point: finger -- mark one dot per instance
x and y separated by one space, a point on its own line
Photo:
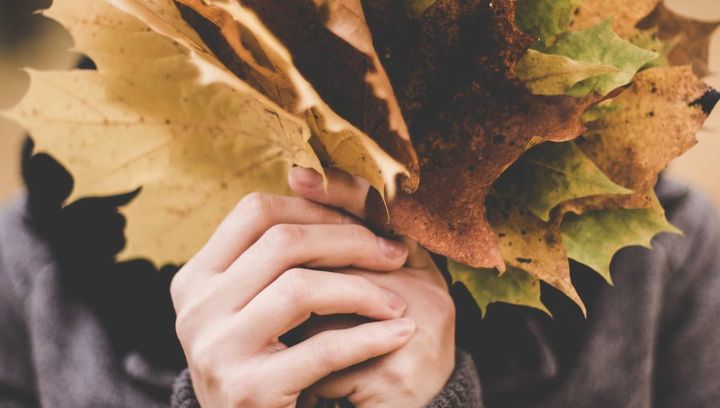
285 246
253 215
343 190
338 385
302 365
316 324
299 293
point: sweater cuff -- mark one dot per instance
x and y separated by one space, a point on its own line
183 395
461 391
463 388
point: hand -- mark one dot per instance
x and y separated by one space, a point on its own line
251 284
414 374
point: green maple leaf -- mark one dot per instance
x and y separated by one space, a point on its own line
600 45
600 110
548 74
552 173
545 19
651 41
594 237
515 286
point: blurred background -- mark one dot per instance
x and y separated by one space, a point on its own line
30 40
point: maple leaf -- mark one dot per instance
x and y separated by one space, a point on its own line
624 16
515 286
551 174
691 37
418 7
342 76
661 111
594 237
204 100
600 45
547 74
598 111
545 19
528 243
144 119
454 79
650 40
248 49
346 19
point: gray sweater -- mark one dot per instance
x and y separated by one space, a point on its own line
72 339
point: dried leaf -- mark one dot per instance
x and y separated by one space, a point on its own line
624 15
339 81
598 111
515 286
600 45
528 243
661 112
551 174
145 120
346 19
418 7
545 19
593 238
650 40
261 61
547 74
469 116
692 38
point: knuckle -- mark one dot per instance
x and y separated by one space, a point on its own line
445 306
439 297
294 286
398 374
359 235
177 288
203 359
344 219
256 205
392 376
366 286
184 323
192 317
325 351
241 392
280 237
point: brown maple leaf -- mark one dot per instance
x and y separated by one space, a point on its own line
662 110
470 118
692 36
624 15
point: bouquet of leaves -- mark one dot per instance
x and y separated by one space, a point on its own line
505 135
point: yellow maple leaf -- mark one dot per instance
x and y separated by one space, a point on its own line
264 63
624 15
145 119
528 243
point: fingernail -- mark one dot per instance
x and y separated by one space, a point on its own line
394 301
307 178
392 249
402 327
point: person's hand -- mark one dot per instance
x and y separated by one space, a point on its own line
415 373
252 283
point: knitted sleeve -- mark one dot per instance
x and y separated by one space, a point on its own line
461 391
